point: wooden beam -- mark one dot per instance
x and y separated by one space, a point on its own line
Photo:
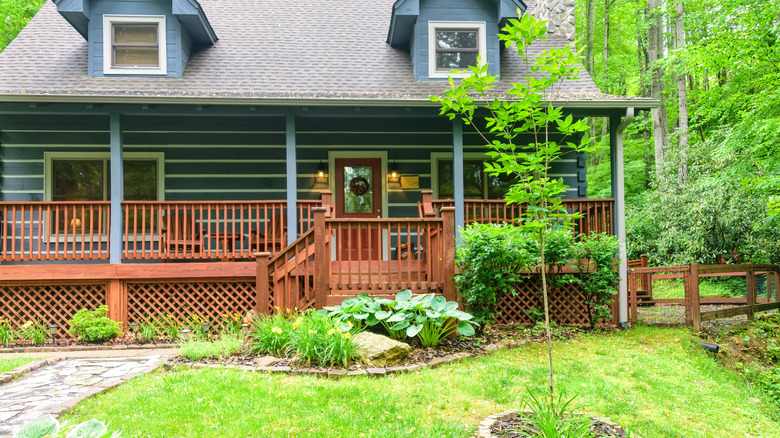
693 285
448 258
262 293
321 258
734 311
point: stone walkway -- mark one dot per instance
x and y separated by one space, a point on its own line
56 388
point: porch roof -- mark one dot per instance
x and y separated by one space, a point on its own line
269 52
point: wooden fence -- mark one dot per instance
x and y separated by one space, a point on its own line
691 274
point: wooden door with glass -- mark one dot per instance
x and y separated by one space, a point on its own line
359 195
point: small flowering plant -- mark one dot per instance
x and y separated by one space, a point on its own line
271 334
312 337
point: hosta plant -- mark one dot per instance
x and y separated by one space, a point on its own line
430 318
49 427
93 325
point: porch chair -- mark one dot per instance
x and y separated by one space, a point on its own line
275 242
183 236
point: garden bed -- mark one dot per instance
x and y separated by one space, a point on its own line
515 424
449 350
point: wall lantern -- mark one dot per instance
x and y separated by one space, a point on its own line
392 174
322 174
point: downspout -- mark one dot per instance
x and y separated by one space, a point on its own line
292 179
619 194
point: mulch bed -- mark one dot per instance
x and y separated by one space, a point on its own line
489 340
515 424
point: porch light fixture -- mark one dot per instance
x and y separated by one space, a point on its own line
53 333
185 334
392 174
322 173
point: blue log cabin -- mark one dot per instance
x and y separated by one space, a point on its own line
295 140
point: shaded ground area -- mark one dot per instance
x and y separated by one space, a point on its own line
675 315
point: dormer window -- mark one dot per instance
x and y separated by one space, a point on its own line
455 46
134 45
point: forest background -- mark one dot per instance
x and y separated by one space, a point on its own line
702 170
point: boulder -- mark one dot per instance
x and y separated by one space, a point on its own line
377 350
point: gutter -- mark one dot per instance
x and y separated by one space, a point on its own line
320 101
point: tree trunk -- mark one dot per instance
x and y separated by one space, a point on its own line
590 6
682 95
660 117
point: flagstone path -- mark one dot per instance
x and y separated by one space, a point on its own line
56 388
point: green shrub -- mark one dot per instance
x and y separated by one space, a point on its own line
490 260
93 326
149 329
225 346
598 276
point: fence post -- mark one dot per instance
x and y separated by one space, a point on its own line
448 257
116 300
632 298
321 258
427 203
693 280
327 198
751 290
776 276
262 292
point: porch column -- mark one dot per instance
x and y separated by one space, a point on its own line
117 190
616 128
457 177
292 181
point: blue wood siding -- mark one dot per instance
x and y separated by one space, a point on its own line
240 157
177 47
453 10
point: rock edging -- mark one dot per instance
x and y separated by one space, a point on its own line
332 373
87 348
483 430
17 372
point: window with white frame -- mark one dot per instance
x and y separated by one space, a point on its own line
477 183
455 45
134 44
76 176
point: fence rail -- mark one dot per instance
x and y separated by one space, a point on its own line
691 274
152 230
596 214
64 230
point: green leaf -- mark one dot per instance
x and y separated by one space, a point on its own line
413 330
88 429
404 295
465 328
438 303
39 428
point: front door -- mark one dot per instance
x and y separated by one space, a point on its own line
359 195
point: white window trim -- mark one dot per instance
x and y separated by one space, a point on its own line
433 25
49 157
109 20
438 156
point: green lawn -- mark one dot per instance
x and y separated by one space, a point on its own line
708 288
656 380
9 364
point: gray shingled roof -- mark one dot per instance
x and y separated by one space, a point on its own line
267 49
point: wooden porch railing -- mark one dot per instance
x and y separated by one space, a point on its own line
391 254
67 230
596 213
208 229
